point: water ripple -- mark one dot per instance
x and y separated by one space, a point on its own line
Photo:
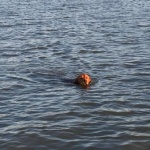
44 45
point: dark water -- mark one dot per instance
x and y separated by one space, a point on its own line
43 42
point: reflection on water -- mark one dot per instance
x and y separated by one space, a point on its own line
46 44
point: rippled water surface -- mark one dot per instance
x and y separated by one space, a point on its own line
46 43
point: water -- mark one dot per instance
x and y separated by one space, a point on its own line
44 42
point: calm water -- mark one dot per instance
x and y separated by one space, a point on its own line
43 42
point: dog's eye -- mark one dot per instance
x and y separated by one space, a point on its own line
84 80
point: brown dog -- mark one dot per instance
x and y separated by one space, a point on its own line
83 79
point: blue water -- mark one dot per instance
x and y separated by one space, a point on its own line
44 44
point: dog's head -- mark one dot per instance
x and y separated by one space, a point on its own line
83 79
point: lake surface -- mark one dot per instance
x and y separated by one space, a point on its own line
44 44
